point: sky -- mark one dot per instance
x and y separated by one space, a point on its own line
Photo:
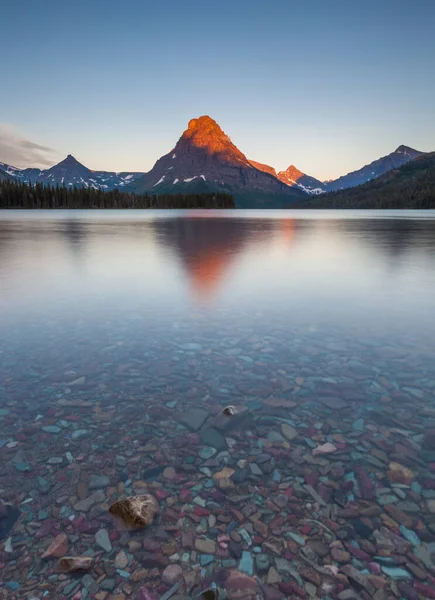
325 85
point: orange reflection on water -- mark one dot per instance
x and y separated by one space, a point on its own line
205 275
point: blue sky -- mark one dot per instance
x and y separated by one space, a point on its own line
327 85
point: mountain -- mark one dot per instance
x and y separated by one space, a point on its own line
293 178
410 186
399 157
205 160
4 175
69 172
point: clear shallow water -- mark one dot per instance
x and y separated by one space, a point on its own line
320 324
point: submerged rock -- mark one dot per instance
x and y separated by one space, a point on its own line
327 448
136 511
238 585
70 564
8 517
58 547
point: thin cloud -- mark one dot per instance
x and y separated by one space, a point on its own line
20 152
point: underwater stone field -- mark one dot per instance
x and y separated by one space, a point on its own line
322 485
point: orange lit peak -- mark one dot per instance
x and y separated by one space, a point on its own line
294 173
206 134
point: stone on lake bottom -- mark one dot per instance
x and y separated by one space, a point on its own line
194 418
205 546
136 511
102 539
327 448
172 574
70 564
238 585
400 474
58 547
97 482
279 403
145 594
288 431
246 564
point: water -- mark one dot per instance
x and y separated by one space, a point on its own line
122 337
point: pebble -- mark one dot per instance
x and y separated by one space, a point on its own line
102 539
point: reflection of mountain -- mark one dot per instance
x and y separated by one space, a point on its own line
207 248
394 239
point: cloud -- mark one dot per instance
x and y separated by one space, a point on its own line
18 151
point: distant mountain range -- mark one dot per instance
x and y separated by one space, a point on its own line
69 172
412 186
205 160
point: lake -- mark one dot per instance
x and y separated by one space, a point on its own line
124 335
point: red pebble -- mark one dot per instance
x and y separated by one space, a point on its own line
424 590
357 552
199 511
185 496
375 568
290 590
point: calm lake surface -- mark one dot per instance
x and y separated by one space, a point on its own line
123 335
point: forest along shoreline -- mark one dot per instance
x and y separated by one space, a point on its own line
15 195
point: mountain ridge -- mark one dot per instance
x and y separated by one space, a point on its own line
205 159
70 172
376 168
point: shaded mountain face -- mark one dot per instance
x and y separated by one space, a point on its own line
410 186
205 160
69 172
399 157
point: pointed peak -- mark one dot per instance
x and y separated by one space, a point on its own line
294 171
402 149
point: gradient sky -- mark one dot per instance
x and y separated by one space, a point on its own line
326 85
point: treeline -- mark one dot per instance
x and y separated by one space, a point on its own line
17 195
411 186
